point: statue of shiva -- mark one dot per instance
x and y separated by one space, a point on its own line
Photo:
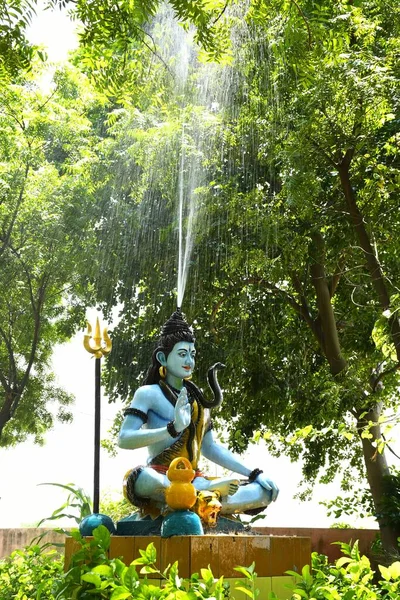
171 417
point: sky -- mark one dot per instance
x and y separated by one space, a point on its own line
67 456
55 31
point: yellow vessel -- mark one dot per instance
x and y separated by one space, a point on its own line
181 494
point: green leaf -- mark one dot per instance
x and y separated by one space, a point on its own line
92 578
146 569
394 569
130 578
245 571
104 570
207 576
300 592
102 537
244 590
120 593
344 560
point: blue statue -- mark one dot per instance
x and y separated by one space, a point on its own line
171 417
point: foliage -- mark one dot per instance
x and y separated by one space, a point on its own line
290 155
351 577
249 585
360 503
115 507
47 212
117 46
93 574
390 507
37 572
340 525
124 48
30 573
16 53
77 506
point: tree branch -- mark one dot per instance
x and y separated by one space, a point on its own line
306 313
221 13
13 367
329 158
382 374
331 344
301 310
35 338
336 276
303 16
373 264
7 235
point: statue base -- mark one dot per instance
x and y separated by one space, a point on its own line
143 526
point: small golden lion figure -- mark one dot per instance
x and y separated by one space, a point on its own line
208 507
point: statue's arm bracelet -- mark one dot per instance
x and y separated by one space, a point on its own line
171 430
135 412
254 474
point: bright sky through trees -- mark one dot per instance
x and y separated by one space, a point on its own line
55 31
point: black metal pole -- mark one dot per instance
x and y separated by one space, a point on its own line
97 406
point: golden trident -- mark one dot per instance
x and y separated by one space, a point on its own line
98 349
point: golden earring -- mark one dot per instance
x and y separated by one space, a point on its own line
163 372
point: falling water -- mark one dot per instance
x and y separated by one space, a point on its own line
169 196
185 232
182 264
167 217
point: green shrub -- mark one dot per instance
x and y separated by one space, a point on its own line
29 574
36 573
351 578
116 509
93 575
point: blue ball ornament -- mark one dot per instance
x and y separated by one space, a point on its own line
181 522
89 524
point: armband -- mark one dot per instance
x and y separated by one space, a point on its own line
135 412
171 430
254 474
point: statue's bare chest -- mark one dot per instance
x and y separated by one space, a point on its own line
160 412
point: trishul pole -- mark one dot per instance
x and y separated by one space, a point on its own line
100 347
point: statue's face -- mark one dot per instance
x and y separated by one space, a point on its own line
180 361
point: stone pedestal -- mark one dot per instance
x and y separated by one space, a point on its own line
136 525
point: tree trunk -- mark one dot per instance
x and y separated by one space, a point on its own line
375 462
374 268
377 469
5 412
330 340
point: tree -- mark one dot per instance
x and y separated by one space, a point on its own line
294 270
328 140
16 53
338 172
112 36
47 215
